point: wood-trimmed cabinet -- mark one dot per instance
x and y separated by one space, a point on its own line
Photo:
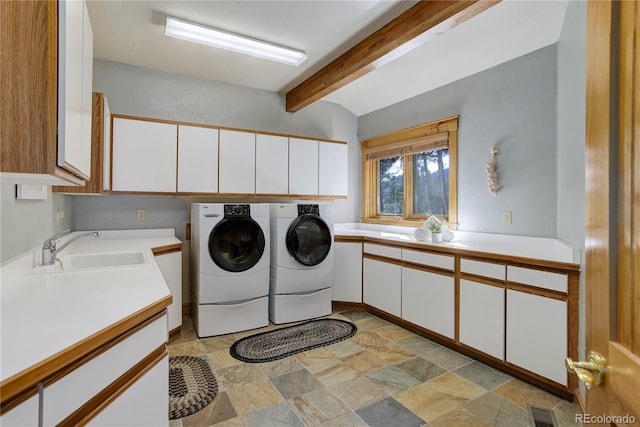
347 271
104 386
516 314
237 162
100 181
49 49
144 155
197 159
303 166
169 261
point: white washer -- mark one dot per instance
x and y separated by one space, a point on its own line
230 252
301 262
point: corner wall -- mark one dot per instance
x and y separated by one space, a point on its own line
512 106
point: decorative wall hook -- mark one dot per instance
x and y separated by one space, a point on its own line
492 174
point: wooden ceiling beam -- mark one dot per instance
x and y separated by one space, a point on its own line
424 21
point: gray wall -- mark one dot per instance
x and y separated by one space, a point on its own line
25 224
571 140
512 106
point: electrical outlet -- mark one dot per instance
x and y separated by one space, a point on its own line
506 217
141 214
59 216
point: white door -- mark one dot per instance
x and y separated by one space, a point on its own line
381 285
428 300
482 317
197 159
237 162
144 155
272 164
333 168
303 166
347 272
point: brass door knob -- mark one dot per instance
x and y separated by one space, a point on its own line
591 372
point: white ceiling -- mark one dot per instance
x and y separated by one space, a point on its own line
132 32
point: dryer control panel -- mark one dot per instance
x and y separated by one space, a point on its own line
308 209
236 210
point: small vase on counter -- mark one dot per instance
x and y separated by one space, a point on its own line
436 237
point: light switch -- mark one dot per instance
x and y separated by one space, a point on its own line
141 214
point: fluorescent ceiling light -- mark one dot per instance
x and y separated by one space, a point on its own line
217 38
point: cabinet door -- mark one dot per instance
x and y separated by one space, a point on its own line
197 159
347 272
272 164
74 143
381 285
482 317
537 334
333 167
428 300
171 267
237 162
144 155
144 403
82 387
303 166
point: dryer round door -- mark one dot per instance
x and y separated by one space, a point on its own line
309 239
236 244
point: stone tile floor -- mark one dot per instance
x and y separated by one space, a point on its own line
383 376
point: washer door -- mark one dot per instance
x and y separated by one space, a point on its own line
309 239
236 244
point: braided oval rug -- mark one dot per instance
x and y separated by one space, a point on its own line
192 385
280 343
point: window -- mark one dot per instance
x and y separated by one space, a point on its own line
411 174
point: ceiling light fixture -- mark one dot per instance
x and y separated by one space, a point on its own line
217 38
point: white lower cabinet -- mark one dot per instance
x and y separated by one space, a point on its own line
347 272
145 403
381 287
76 392
537 334
482 317
23 415
171 268
428 300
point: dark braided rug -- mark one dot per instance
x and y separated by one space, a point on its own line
192 385
280 343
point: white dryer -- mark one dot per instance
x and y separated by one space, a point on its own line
301 262
230 247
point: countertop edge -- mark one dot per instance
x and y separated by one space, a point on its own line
346 238
25 380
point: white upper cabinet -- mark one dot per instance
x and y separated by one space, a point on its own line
272 164
237 162
197 159
106 145
144 156
75 80
303 166
333 166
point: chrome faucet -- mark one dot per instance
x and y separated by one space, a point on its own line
50 246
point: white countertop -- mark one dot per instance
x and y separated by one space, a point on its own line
45 313
541 248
